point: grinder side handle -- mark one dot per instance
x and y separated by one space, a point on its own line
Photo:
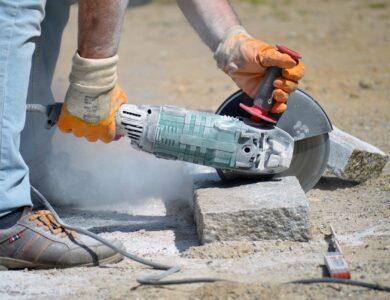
264 98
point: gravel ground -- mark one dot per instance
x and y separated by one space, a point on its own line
162 62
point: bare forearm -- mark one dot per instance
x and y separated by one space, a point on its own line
210 18
100 24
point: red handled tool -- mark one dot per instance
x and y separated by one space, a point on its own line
263 101
335 262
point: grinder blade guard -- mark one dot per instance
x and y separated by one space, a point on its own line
306 122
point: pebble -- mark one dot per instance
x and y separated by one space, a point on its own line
314 199
353 95
366 84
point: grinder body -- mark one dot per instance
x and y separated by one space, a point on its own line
207 139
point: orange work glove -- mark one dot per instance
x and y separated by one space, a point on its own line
92 99
246 60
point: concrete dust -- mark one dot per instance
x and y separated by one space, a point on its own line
232 250
163 62
87 174
357 238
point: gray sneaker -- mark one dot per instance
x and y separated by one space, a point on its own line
38 241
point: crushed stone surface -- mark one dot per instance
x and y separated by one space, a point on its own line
163 62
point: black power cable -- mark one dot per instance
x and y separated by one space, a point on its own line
373 286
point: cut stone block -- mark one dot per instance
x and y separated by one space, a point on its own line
352 159
276 209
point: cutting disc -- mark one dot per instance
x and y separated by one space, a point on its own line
310 154
309 160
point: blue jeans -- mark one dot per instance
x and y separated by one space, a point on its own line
30 37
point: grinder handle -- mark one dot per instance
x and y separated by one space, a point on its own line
263 98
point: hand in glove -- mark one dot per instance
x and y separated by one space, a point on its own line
246 59
92 99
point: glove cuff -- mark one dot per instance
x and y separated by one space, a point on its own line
223 54
91 83
234 30
93 76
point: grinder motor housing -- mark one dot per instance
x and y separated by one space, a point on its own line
207 139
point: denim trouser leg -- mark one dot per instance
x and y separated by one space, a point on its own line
19 26
36 139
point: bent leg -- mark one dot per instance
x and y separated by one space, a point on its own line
20 26
36 139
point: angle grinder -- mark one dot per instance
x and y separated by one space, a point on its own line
241 140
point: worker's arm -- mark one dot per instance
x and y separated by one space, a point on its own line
100 24
93 96
210 19
242 57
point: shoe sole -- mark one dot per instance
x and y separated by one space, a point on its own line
7 263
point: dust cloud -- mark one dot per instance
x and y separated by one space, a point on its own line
76 172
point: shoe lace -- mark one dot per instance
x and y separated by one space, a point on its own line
46 219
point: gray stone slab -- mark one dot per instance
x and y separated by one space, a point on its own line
276 209
353 159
